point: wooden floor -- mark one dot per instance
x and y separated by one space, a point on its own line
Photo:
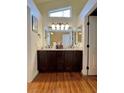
63 83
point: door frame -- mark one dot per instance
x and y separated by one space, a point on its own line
87 10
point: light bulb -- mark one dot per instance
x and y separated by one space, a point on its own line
66 27
62 27
53 27
58 27
51 33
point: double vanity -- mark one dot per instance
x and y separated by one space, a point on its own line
60 60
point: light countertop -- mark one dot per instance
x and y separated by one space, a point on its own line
70 49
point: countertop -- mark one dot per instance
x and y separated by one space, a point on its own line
70 49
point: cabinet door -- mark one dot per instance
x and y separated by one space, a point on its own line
73 61
68 60
60 55
51 57
77 61
42 61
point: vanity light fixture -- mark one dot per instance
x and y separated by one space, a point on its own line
66 26
53 26
57 27
62 26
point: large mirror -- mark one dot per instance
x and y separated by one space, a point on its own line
64 38
68 39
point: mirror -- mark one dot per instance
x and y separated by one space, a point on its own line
64 38
68 39
77 37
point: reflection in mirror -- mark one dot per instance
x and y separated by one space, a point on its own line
77 37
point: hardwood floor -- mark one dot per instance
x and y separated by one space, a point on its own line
63 83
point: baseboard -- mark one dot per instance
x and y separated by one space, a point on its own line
36 73
32 78
85 74
92 75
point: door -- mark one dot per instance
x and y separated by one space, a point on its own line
92 45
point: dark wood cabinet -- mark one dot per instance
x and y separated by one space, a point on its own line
42 61
51 61
59 61
68 60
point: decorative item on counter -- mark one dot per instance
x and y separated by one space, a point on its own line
54 45
59 45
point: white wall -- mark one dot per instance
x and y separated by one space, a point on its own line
83 18
34 42
28 43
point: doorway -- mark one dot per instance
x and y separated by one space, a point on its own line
92 43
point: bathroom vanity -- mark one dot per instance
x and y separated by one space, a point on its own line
60 60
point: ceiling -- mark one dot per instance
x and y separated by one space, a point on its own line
46 5
44 1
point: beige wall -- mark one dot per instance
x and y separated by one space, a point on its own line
34 42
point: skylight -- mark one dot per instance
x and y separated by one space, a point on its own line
62 12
